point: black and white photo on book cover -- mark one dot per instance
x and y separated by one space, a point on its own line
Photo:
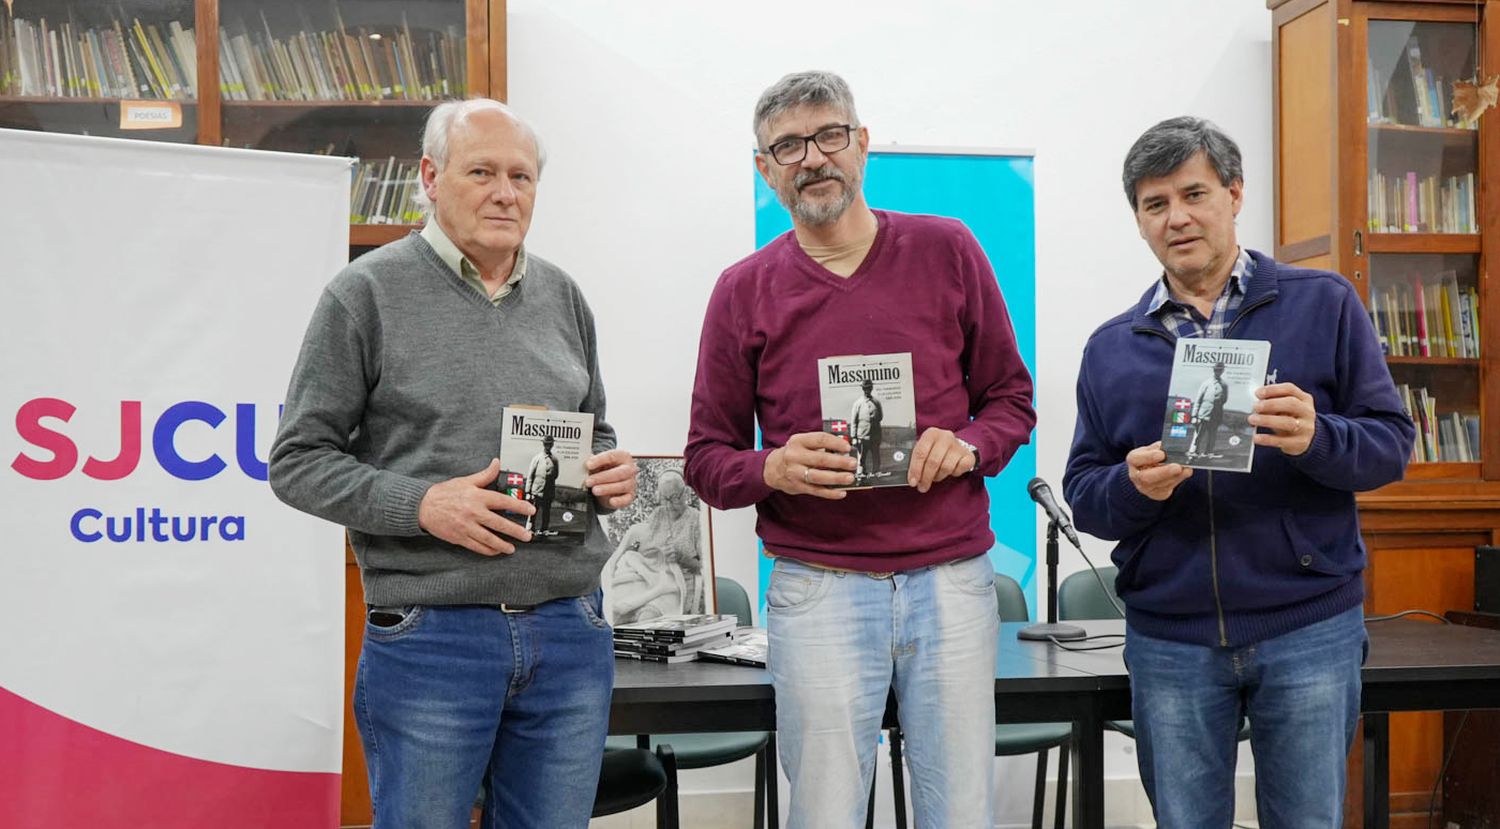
663 563
1209 400
868 400
542 456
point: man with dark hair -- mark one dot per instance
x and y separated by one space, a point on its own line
1243 592
1208 412
884 587
485 658
864 430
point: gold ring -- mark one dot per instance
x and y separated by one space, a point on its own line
806 470
1296 425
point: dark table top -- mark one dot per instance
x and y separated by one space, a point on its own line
1412 665
1019 668
1408 649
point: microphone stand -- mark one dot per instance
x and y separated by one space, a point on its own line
1045 631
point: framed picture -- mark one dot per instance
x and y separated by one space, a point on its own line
663 559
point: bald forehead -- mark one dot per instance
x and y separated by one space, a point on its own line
493 125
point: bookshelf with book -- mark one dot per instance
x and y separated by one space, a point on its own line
340 77
1379 178
72 67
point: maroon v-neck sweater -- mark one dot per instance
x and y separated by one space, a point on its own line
924 287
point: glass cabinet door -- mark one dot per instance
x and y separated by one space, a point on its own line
353 77
1423 160
1426 312
121 68
1423 225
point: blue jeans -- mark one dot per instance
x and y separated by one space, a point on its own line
1300 691
839 642
450 697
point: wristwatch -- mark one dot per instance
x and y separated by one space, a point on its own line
972 448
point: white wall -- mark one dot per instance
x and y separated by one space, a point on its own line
645 107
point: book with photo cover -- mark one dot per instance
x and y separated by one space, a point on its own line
1209 399
649 646
542 456
748 648
868 400
672 659
683 628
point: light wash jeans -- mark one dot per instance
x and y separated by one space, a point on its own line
452 696
1300 691
839 642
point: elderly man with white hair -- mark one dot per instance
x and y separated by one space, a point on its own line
484 653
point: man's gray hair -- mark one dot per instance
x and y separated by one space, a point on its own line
1170 144
799 89
445 116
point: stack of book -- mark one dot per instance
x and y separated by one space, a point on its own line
1409 203
1427 317
673 638
1411 93
1451 437
384 193
119 59
747 648
340 64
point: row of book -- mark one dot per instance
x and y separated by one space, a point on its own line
674 639
384 192
1411 94
1434 317
1429 204
118 60
340 65
1452 437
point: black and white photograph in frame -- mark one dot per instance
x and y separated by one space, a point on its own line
662 564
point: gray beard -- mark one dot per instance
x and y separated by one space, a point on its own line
821 213
817 213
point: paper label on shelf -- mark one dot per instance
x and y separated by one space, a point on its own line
150 115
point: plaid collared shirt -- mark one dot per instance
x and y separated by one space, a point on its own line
1184 320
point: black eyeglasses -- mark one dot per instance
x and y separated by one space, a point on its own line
793 149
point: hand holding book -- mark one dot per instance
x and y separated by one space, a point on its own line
466 512
938 455
811 463
612 478
1290 415
1152 476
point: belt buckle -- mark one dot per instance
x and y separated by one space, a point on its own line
881 575
516 608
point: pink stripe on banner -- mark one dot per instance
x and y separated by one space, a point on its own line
59 774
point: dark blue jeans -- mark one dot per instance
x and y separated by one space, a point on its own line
1301 693
452 696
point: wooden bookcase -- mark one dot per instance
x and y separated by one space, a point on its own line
1375 180
346 77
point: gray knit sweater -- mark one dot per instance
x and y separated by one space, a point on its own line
400 383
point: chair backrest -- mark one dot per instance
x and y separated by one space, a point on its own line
732 599
1011 600
1079 596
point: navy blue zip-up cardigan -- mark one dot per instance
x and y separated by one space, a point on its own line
1285 538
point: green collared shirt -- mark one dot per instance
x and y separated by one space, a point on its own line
455 259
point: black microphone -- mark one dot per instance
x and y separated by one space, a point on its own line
1042 494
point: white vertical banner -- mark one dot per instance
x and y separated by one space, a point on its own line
172 653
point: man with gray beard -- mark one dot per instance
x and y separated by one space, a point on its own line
883 588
